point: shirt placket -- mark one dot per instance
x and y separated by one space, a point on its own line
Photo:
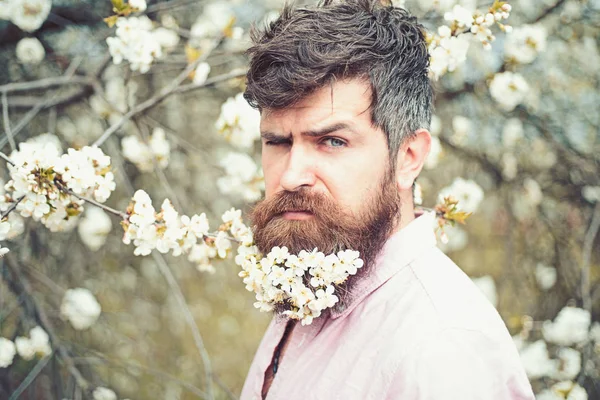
300 337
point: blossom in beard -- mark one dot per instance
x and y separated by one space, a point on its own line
7 352
280 279
30 51
80 308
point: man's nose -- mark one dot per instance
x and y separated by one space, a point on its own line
299 172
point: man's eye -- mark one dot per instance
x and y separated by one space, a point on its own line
334 142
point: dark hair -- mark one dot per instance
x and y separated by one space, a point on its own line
307 48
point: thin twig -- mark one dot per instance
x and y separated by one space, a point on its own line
167 91
106 208
6 158
30 377
166 271
11 208
101 358
5 117
47 83
586 293
588 245
44 321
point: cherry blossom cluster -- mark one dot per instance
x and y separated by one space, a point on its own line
137 42
304 283
47 185
167 231
448 47
556 355
37 344
146 156
239 122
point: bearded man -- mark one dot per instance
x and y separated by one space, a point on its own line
345 103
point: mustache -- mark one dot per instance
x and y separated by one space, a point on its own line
300 200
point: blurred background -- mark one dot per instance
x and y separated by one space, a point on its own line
518 123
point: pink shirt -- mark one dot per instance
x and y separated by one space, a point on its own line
418 328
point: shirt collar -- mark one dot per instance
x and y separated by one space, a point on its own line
399 250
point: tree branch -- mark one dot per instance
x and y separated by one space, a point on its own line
25 288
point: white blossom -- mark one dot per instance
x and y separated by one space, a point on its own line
6 9
460 15
569 327
525 42
30 51
168 39
7 352
216 17
140 5
243 177
545 276
468 193
102 393
143 155
29 15
510 166
80 308
565 390
38 343
279 277
461 128
591 193
134 42
508 89
569 364
536 361
512 132
239 122
446 54
201 73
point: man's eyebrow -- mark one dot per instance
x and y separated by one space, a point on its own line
329 129
274 137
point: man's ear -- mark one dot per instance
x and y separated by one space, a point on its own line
411 157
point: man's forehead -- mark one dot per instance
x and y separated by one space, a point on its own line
344 100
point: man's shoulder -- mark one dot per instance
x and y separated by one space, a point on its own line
430 295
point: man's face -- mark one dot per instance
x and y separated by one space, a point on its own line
327 175
326 144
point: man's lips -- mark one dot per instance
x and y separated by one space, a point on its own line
299 215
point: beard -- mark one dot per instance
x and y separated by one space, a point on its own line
330 228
